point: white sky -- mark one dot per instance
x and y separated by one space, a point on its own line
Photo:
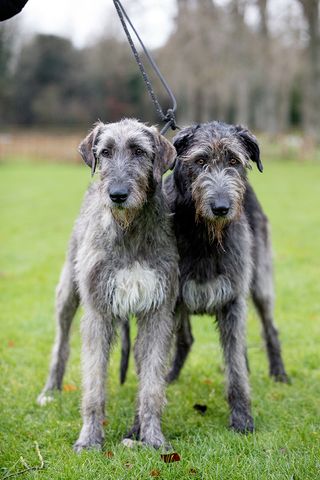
84 20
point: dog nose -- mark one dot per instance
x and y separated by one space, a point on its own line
119 194
221 208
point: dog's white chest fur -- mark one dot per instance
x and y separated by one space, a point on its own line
205 297
136 289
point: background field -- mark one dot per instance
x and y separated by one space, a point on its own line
38 205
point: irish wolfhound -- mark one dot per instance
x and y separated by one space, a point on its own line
122 259
225 251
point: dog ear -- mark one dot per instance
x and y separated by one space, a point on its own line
251 144
87 148
182 140
180 178
165 156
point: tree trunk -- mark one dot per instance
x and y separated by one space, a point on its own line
312 90
267 119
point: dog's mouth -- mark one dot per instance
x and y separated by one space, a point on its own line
118 206
121 203
130 204
214 221
124 203
215 224
209 215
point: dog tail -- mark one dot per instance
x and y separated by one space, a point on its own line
125 349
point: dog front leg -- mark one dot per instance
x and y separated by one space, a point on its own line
97 334
231 321
153 344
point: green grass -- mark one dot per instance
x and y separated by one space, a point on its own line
38 206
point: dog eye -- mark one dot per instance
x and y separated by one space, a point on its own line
233 161
139 151
105 152
201 162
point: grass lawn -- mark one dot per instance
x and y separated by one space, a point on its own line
38 206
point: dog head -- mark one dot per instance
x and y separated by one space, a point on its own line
130 158
211 166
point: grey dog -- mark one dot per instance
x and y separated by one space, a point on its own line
122 260
225 251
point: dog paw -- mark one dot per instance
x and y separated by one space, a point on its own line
172 376
155 441
242 423
91 437
281 377
80 445
165 447
129 443
44 398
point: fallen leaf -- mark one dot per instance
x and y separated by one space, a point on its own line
155 473
170 457
200 408
193 471
105 422
11 344
207 381
69 388
109 454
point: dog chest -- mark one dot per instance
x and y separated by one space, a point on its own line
136 289
207 296
119 276
120 289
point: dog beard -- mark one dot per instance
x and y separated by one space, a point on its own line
123 216
215 229
216 226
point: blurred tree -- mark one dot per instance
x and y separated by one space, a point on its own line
45 81
7 45
220 64
265 118
223 67
311 10
112 85
58 84
242 58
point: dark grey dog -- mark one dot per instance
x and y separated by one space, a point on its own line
122 259
225 252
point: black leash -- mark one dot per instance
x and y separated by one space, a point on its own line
169 116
